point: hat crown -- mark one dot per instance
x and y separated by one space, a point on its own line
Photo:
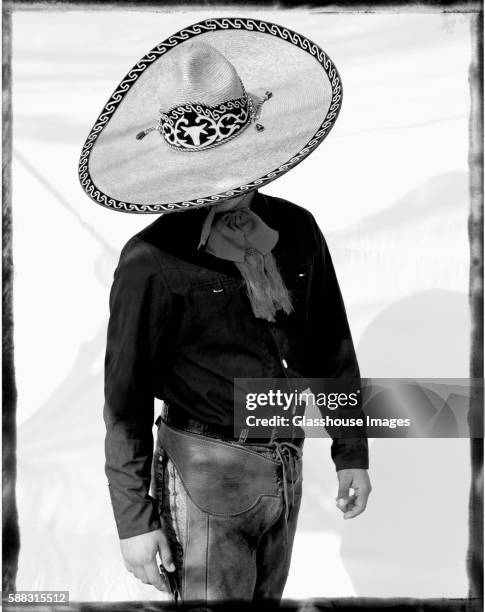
202 74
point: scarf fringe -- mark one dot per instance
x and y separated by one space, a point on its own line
264 285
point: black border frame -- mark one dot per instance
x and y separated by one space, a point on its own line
474 560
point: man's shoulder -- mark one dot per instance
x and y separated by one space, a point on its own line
138 257
170 233
286 208
296 224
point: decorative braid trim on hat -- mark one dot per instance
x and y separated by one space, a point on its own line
194 127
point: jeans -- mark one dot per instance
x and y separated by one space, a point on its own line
230 511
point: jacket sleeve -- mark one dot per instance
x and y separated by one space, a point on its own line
332 354
139 309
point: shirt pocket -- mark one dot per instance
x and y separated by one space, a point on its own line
297 275
208 301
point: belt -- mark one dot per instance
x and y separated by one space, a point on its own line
177 419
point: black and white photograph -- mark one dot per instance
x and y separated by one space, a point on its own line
242 306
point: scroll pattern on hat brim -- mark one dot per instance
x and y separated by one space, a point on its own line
122 173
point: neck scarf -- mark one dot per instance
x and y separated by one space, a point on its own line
241 236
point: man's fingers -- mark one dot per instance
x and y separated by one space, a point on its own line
345 504
360 502
344 482
343 495
139 572
355 511
341 504
140 554
153 575
357 480
165 553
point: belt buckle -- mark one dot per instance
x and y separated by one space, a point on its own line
245 432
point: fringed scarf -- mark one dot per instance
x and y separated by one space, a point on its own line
241 236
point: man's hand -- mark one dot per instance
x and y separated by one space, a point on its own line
358 480
140 555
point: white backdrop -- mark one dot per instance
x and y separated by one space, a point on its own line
389 189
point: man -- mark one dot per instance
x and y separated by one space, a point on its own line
240 286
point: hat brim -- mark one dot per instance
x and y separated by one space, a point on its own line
146 176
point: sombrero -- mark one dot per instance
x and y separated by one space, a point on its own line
218 109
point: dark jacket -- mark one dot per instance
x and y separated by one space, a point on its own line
181 329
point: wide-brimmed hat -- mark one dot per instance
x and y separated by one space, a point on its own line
220 108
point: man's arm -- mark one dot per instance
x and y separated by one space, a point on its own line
139 313
332 355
